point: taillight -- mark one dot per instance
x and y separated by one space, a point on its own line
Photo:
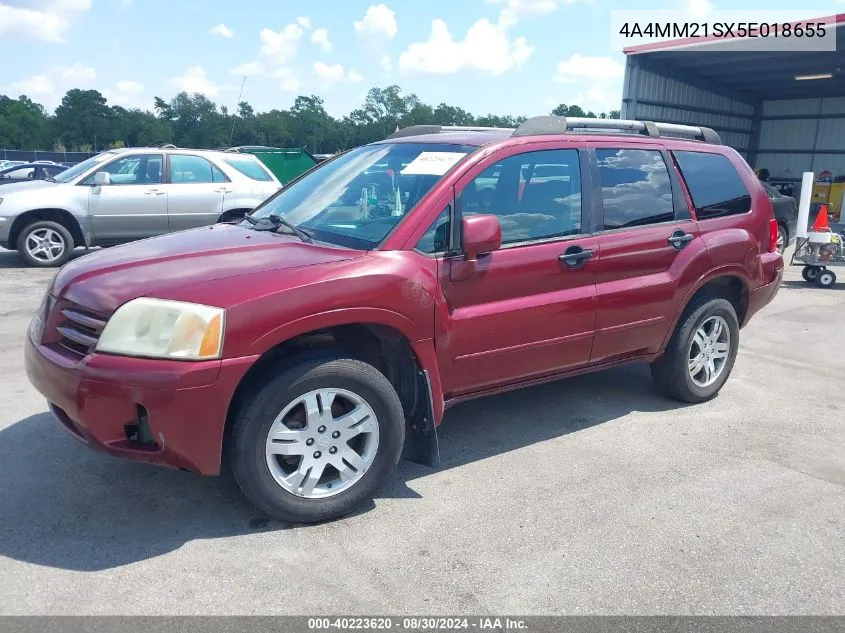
773 235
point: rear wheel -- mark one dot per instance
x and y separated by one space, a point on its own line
825 279
783 239
317 439
45 244
809 273
701 353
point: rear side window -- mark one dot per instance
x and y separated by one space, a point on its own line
635 187
249 168
714 184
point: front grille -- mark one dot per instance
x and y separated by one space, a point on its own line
79 329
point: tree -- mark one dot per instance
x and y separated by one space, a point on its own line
85 121
83 118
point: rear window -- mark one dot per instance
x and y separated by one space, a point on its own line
714 184
249 168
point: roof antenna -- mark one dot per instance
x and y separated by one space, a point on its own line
235 116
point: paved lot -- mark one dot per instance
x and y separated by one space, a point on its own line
592 495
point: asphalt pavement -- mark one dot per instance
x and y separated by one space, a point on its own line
593 495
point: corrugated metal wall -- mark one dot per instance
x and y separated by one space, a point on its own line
651 96
790 146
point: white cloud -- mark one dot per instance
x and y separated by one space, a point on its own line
578 67
699 8
126 93
304 22
222 30
320 37
33 87
77 74
515 10
251 69
289 81
278 47
486 48
129 86
49 23
354 76
385 63
329 75
378 24
195 79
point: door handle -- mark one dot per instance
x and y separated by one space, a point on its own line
224 190
575 256
154 192
680 238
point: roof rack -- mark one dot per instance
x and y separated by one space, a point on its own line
421 130
543 125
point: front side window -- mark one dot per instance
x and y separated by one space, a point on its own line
535 195
249 168
635 187
187 169
142 169
436 238
357 199
714 184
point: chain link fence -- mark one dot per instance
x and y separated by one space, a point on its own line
35 154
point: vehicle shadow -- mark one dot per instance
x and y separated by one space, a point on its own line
800 283
11 259
69 507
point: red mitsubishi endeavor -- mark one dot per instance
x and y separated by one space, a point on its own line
314 342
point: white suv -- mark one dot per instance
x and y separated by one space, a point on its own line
129 194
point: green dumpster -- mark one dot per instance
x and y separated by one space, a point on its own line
285 163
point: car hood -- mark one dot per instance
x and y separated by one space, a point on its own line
30 185
105 279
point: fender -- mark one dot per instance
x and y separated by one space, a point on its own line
726 270
423 348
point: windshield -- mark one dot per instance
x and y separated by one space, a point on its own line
357 199
81 168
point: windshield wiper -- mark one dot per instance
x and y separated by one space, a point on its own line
50 179
273 222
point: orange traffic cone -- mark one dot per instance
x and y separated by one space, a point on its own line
821 224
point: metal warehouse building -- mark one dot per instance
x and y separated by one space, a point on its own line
783 111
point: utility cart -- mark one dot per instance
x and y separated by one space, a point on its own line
821 250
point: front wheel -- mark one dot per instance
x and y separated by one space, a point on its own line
318 439
782 240
701 353
45 244
825 279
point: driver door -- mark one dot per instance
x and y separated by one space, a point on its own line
134 204
528 311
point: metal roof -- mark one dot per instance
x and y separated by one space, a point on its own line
734 67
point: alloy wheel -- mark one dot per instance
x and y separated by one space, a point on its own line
45 245
709 351
322 443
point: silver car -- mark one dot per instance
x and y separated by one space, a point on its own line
129 194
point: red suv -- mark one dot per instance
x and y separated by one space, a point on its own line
312 343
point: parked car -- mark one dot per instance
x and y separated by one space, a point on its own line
786 213
311 344
128 194
27 172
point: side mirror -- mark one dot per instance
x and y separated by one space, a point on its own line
102 178
480 235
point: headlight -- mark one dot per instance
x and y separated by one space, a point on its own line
157 328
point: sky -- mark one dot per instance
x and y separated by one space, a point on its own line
500 56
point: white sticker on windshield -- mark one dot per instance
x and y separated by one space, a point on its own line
432 163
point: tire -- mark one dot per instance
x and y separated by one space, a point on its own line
825 279
59 249
672 372
261 476
810 273
783 239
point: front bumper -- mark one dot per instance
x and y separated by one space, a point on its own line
97 399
